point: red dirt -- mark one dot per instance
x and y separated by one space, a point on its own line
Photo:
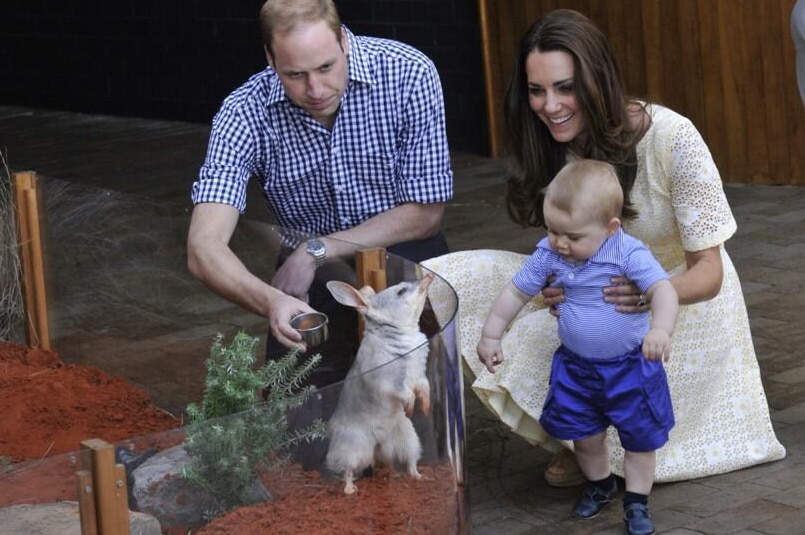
49 407
388 503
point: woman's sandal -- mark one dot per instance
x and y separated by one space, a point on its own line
563 470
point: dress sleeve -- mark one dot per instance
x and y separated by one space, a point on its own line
700 206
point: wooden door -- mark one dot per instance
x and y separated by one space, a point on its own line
728 65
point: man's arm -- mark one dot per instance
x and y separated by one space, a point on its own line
410 221
210 259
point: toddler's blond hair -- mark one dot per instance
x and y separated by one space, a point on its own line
586 188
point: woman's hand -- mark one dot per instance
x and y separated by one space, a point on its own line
626 296
552 296
701 281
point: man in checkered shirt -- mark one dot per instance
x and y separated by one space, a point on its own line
346 137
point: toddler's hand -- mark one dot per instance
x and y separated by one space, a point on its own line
490 352
657 345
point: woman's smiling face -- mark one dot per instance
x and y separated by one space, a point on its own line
552 93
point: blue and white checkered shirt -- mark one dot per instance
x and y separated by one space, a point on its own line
388 145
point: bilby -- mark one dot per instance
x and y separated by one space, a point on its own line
371 423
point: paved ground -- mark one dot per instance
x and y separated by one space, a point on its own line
508 495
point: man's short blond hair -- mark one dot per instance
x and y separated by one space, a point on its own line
587 188
282 16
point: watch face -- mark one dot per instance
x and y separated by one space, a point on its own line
316 249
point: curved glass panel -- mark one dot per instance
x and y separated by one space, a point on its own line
122 300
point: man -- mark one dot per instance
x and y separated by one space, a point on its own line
346 137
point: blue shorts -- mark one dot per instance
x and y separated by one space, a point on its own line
628 392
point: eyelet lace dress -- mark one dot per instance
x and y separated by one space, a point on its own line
722 416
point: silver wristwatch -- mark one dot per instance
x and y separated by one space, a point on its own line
317 250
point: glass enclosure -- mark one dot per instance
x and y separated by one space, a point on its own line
120 299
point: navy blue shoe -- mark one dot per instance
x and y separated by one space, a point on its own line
592 500
638 519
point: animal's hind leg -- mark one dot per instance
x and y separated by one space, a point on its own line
409 447
349 482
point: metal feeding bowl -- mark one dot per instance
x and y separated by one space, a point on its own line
312 326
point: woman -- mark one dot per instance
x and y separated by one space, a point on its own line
565 101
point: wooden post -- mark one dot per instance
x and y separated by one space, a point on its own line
370 265
103 495
488 53
370 268
86 503
121 500
27 199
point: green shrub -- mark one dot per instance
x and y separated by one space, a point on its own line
234 434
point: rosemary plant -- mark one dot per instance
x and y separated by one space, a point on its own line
233 434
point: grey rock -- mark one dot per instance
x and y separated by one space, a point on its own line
160 489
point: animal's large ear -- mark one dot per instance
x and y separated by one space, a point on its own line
347 295
367 292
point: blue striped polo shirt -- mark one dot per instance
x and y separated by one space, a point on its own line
588 326
388 145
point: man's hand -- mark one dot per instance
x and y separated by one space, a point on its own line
295 275
281 310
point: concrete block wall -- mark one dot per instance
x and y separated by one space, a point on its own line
177 59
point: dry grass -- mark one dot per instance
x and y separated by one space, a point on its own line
11 307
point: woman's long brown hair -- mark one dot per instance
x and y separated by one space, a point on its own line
534 156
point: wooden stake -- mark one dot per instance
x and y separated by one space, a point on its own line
110 496
368 262
29 215
377 279
22 184
121 500
38 268
86 503
370 268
